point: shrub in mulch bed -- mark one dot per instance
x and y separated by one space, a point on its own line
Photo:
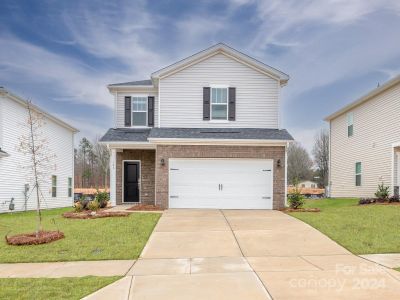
301 210
44 237
389 201
94 214
145 207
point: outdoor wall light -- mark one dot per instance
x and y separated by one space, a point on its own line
278 163
162 162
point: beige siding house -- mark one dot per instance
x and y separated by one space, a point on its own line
203 132
365 143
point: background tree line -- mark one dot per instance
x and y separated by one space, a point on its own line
302 167
92 164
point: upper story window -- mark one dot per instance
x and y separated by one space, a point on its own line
219 103
139 111
350 120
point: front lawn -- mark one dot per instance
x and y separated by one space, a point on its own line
51 288
97 239
361 229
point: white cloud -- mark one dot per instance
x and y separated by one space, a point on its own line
121 31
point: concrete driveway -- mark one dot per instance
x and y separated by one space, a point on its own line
247 254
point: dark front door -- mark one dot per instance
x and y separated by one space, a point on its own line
131 181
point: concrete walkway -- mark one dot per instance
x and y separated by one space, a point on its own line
66 269
231 254
389 260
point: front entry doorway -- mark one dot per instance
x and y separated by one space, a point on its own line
131 181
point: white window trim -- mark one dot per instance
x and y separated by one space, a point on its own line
53 186
219 86
355 183
147 110
69 180
350 123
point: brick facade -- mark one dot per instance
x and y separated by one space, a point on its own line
147 175
206 151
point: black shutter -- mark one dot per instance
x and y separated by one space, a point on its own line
232 104
206 103
128 112
150 111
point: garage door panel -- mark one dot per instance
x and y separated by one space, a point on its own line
194 183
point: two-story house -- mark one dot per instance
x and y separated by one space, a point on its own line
203 132
365 143
16 177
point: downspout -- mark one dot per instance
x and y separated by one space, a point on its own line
329 194
286 159
159 103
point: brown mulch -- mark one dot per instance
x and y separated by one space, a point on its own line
145 207
44 237
379 203
301 210
90 215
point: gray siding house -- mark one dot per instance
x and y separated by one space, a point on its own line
201 133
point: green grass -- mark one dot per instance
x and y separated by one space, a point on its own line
51 288
361 229
96 239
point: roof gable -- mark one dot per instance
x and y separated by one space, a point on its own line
228 51
368 96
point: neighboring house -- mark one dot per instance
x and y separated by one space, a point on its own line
201 133
308 184
365 143
16 181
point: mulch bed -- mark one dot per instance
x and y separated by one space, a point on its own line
44 237
302 210
145 207
380 203
94 215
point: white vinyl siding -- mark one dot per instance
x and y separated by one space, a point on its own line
377 126
257 95
120 106
13 172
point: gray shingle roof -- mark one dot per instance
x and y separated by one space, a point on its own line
139 82
126 135
122 134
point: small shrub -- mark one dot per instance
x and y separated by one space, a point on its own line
78 207
296 199
84 202
383 192
102 198
394 199
364 201
93 205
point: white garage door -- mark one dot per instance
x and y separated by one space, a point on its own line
220 183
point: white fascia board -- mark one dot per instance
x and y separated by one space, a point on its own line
129 145
246 142
131 88
220 48
364 98
24 103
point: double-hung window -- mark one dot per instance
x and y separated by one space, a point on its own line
350 120
139 111
53 186
358 174
69 187
219 103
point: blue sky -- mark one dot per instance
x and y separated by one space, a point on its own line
62 54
